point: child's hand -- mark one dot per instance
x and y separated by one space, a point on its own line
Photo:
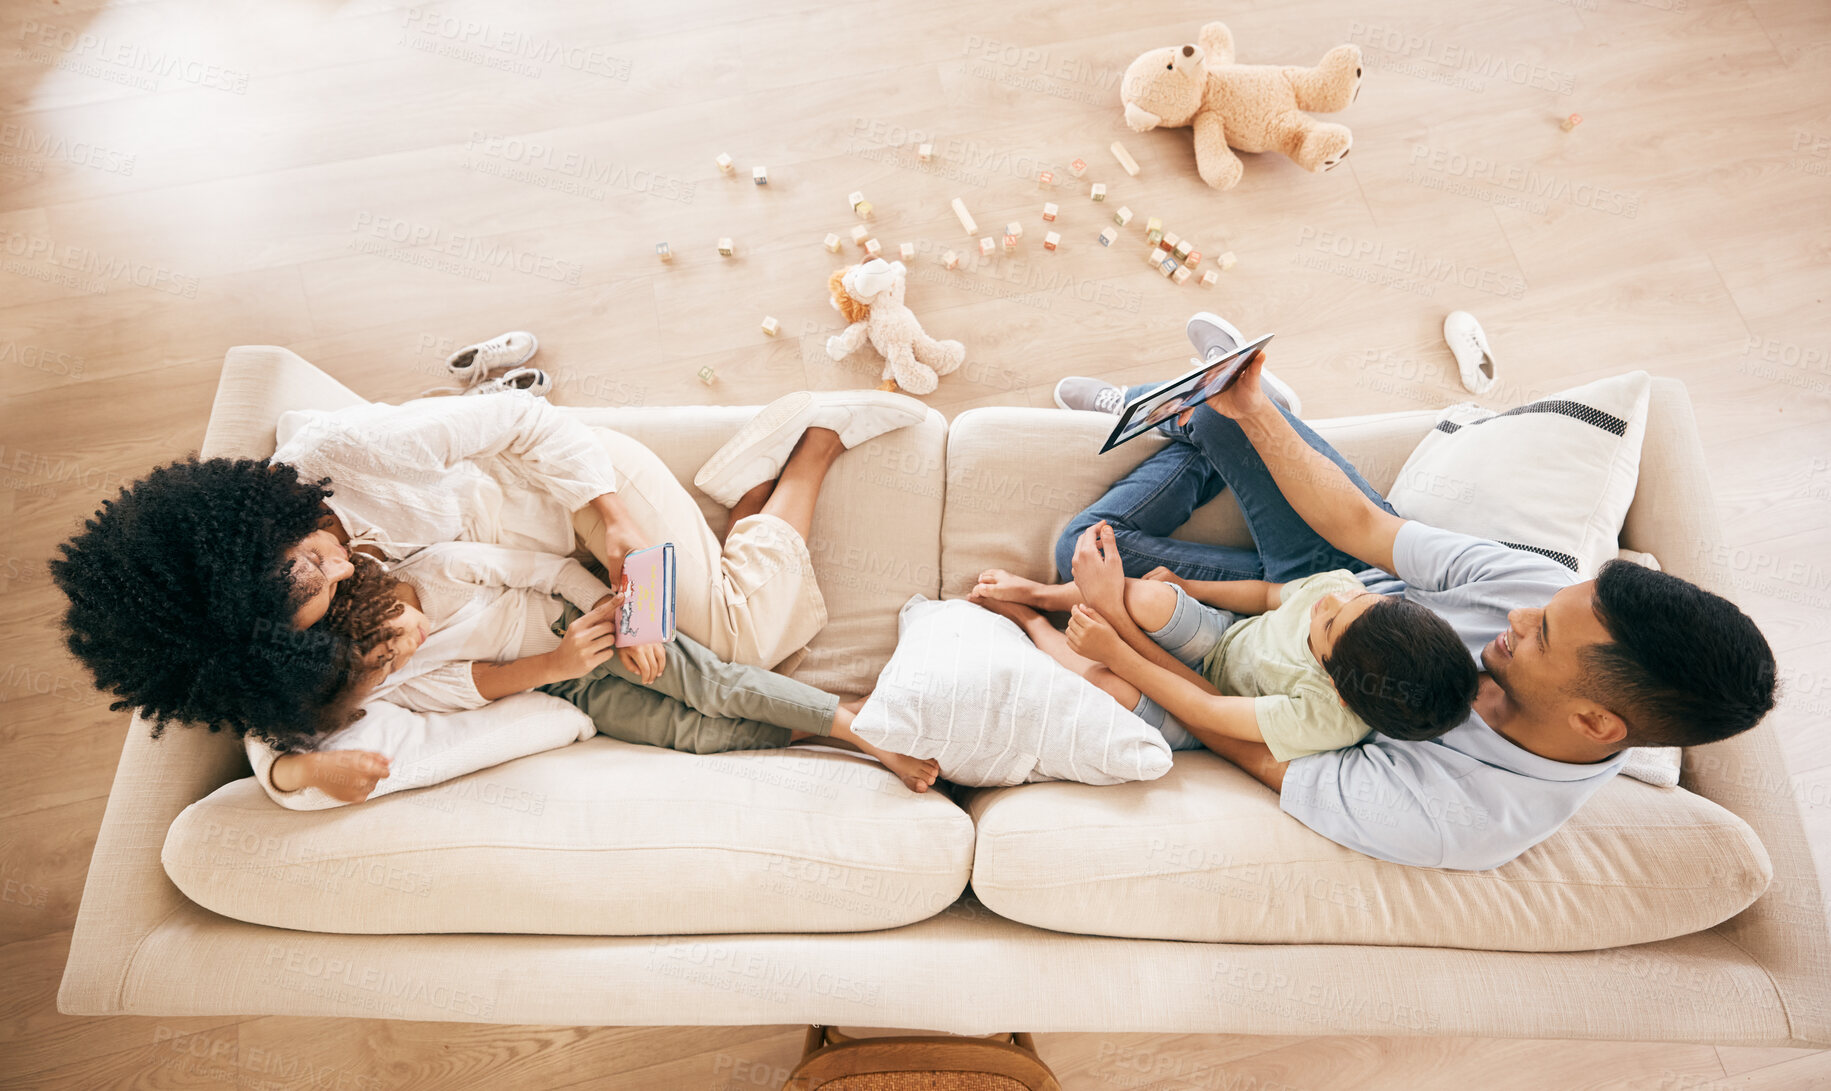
590 640
347 775
645 661
1090 634
1164 575
1098 571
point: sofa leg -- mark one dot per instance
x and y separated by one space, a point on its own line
830 1055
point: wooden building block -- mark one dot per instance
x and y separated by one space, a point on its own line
760 175
1123 216
1051 241
832 243
725 247
966 218
1109 236
1125 159
664 251
771 326
1049 212
724 164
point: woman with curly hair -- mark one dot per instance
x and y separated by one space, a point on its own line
469 624
183 588
195 594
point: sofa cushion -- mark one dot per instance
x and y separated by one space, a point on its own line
599 838
1204 853
876 536
1555 476
1015 477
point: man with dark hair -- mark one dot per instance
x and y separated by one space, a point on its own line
1574 672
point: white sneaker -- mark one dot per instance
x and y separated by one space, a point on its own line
531 379
760 449
1469 342
1215 337
1089 395
472 362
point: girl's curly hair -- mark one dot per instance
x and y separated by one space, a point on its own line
181 603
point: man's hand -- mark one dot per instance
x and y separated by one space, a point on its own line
590 640
1098 571
346 775
1090 634
1245 398
645 661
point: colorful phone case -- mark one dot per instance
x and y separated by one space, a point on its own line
647 616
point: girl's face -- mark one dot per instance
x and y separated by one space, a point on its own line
406 631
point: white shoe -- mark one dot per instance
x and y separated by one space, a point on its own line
1469 342
472 362
531 379
1215 337
1089 395
761 448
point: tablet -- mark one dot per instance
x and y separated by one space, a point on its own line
1167 402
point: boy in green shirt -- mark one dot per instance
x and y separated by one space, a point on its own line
1303 667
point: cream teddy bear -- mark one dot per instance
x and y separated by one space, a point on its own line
870 296
1253 107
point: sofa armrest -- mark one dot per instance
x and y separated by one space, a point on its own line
127 894
1674 518
260 382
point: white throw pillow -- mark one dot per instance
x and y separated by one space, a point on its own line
1554 477
967 688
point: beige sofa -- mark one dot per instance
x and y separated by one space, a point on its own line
655 888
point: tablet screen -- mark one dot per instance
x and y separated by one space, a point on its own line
1168 401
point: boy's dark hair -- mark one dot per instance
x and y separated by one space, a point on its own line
1682 667
181 604
1403 671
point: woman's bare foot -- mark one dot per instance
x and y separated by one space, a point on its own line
1000 585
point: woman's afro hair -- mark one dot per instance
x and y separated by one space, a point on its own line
181 604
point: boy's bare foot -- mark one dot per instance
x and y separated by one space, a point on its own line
996 583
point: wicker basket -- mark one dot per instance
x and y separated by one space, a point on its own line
832 1061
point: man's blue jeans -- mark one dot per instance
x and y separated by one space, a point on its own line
1204 457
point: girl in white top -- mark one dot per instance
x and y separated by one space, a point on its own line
469 623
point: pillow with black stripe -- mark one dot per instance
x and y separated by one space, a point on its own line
1554 477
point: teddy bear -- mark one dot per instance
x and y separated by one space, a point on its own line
870 296
1253 107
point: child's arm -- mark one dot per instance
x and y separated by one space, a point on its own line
348 776
589 641
1100 576
1239 596
1200 708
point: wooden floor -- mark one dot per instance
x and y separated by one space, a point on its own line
373 184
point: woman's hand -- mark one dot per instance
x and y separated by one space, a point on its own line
590 640
347 775
1090 634
645 661
1098 571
